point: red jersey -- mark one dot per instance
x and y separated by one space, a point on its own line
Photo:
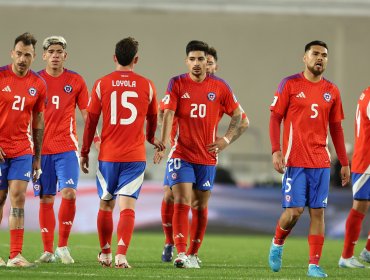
361 153
307 109
64 93
197 107
125 99
19 97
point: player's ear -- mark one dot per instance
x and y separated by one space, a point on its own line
115 58
136 59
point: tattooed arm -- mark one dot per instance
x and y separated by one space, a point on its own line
37 134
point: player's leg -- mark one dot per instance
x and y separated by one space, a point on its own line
293 201
365 253
18 177
129 185
166 215
181 178
67 171
106 181
205 175
3 196
45 188
318 196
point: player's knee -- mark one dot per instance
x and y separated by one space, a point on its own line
3 196
68 193
295 213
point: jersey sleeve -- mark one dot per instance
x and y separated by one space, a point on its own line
336 113
94 105
171 99
281 99
41 100
83 95
153 105
229 101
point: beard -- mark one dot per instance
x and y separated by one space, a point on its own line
316 72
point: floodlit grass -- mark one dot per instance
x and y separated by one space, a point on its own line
224 257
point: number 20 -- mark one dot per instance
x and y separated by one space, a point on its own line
198 110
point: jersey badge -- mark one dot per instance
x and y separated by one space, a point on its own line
32 91
327 96
68 88
211 96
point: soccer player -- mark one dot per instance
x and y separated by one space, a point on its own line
197 99
126 100
59 160
308 103
22 101
167 202
361 186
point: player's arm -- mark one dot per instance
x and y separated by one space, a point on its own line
88 137
243 126
167 126
96 139
277 156
37 135
336 132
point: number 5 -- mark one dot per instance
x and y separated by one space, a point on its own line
314 110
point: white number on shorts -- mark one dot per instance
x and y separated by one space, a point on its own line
314 110
176 162
288 189
55 101
125 104
198 110
18 104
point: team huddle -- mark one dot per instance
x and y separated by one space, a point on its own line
38 140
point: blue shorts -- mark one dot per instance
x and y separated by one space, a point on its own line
119 178
181 171
18 168
305 187
63 168
165 179
361 186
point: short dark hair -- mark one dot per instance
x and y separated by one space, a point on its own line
196 45
27 39
315 43
212 51
126 49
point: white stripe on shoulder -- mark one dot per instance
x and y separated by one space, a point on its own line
98 90
150 92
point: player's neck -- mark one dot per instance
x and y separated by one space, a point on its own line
199 78
19 74
54 72
124 68
311 77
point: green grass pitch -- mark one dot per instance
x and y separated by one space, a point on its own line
224 257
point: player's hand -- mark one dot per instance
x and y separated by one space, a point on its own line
2 155
158 145
36 169
158 156
345 174
217 146
278 161
84 164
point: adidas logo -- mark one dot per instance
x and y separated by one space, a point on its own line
207 184
106 246
28 174
7 89
121 243
180 235
68 223
167 225
44 230
70 182
301 95
185 95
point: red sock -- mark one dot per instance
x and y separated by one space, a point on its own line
353 229
66 216
280 234
16 242
167 214
105 230
368 242
315 242
47 225
197 230
181 226
125 229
